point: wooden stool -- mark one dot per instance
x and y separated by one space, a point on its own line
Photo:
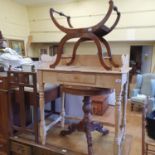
85 124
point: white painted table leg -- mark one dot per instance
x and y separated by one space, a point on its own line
123 124
42 115
63 109
117 142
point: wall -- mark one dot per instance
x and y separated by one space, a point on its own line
14 20
136 22
84 48
136 26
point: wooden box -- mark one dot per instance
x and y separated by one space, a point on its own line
99 104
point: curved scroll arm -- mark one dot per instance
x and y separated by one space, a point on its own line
103 21
117 19
62 28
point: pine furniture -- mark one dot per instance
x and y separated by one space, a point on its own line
84 73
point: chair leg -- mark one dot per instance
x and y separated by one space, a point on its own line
63 109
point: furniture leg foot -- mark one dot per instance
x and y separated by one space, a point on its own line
99 127
69 131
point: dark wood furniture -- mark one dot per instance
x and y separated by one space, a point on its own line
28 147
99 104
5 120
18 82
4 115
94 33
23 94
86 124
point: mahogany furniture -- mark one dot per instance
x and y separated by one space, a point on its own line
4 115
99 104
90 75
23 93
94 33
86 124
18 81
28 147
5 120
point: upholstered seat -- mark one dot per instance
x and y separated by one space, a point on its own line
145 87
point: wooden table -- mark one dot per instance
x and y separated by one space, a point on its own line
93 75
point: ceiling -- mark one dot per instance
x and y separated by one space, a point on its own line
36 2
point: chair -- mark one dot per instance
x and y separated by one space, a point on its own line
23 95
145 87
148 144
17 81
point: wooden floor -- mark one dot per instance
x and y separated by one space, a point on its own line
134 128
77 143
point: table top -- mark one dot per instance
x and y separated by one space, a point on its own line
83 69
87 64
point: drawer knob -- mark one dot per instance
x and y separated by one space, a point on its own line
1 81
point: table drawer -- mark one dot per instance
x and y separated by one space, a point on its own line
77 78
20 148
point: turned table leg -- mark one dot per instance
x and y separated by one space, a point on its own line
42 116
117 142
124 104
87 121
63 109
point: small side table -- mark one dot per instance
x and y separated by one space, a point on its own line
86 124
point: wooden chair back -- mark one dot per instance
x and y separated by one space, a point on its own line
18 81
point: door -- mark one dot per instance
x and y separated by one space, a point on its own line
146 59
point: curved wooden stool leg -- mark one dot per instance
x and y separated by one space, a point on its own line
108 51
60 49
74 50
93 37
99 47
